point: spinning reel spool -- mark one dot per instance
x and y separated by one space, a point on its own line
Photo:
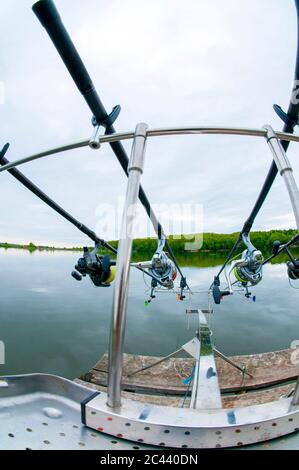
162 270
249 269
100 269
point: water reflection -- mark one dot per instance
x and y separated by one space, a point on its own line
51 323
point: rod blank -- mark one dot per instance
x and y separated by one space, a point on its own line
49 17
45 198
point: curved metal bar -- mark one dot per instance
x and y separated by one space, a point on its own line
159 132
198 429
46 153
121 285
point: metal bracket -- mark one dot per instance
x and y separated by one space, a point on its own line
109 119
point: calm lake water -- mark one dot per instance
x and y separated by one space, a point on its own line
51 323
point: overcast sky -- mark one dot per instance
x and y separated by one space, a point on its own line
167 63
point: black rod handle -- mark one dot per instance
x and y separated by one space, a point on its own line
49 17
45 198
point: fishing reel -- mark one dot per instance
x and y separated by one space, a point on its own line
100 269
248 270
162 268
292 264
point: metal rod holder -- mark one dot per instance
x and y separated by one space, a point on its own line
295 400
285 169
120 295
95 140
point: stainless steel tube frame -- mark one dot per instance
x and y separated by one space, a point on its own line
120 295
96 141
285 169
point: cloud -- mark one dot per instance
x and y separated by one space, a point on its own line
168 63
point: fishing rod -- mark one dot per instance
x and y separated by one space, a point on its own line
290 120
49 17
41 195
91 262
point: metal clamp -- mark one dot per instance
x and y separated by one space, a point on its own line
109 119
286 118
95 141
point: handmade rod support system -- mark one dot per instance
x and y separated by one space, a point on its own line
121 281
292 264
278 143
205 423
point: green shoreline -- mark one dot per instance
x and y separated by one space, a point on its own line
32 247
212 243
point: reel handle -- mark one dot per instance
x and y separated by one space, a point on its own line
76 276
